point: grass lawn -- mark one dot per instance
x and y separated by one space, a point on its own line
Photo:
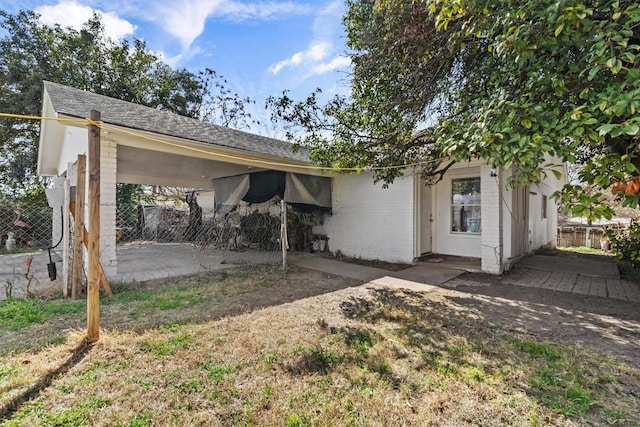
582 250
255 347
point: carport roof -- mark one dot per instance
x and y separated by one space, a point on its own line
78 103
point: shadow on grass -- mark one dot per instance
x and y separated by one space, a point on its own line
608 326
11 407
456 340
198 298
493 287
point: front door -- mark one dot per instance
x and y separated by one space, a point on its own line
424 218
520 221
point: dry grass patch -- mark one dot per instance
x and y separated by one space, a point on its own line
357 356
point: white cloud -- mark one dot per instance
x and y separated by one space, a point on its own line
316 52
326 28
265 10
336 63
68 13
185 19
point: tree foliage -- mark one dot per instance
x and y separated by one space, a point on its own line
513 82
31 52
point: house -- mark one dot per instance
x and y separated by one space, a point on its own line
470 213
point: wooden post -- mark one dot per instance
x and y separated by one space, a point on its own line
284 242
65 236
93 286
103 277
78 228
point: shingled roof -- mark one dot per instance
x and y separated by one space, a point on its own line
73 102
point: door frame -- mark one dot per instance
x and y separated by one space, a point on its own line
423 217
520 221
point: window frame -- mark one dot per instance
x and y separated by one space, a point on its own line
453 205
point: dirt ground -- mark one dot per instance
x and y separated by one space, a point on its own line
266 321
606 325
609 326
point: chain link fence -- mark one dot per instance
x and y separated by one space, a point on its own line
155 239
190 234
237 228
27 232
192 219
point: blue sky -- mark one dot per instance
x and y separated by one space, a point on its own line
261 47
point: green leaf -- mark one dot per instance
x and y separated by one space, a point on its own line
631 129
630 167
606 128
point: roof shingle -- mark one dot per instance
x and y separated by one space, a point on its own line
78 103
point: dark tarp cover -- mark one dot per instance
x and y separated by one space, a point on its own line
306 193
265 186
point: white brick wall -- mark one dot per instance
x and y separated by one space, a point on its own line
108 167
491 241
369 221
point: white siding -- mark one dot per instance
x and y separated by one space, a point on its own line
76 141
543 231
507 219
369 221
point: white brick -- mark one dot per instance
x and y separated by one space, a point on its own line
108 169
491 241
369 221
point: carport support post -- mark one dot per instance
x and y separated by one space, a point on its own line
93 287
78 228
283 233
66 238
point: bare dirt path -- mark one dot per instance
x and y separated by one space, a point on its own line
608 326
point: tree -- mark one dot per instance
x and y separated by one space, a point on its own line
87 59
220 105
510 82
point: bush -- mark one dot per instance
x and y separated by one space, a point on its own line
625 243
261 229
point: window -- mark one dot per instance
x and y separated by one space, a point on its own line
465 205
544 207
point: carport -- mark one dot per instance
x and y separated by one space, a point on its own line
142 145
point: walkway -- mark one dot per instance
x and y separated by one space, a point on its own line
576 275
558 273
140 262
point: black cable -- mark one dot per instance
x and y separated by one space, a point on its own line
61 226
51 267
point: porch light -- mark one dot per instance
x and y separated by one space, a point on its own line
494 171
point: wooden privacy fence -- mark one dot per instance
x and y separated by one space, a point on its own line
581 236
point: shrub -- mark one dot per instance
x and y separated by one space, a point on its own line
625 243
